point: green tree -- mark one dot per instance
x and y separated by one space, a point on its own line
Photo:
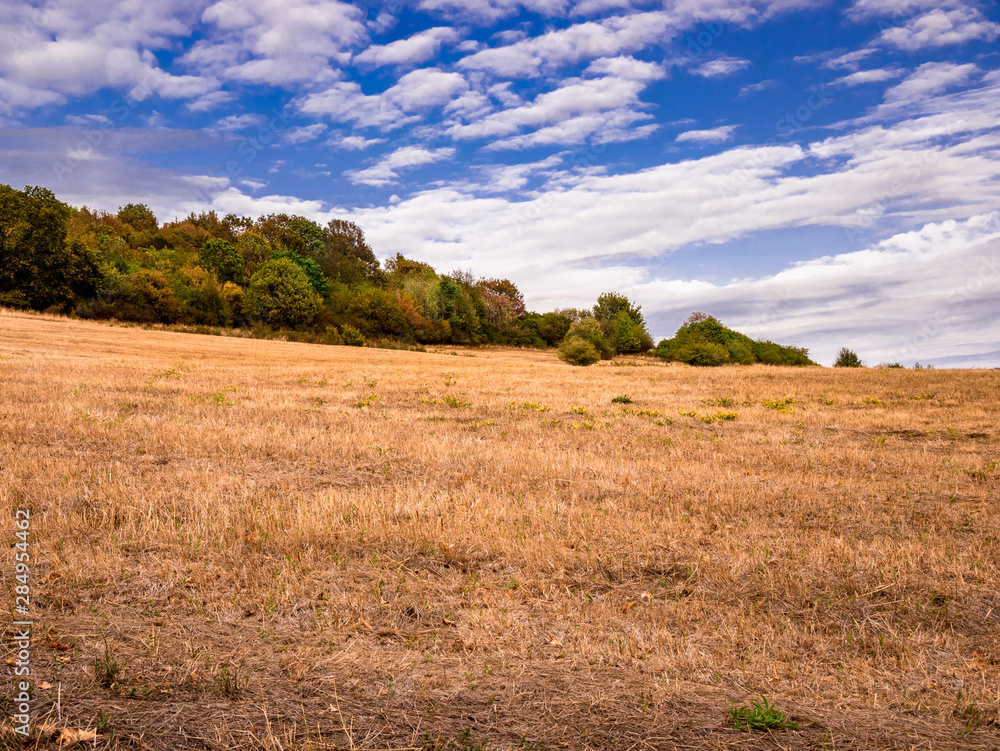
553 327
622 323
847 359
222 258
39 267
280 294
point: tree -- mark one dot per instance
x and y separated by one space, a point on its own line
223 258
553 327
697 317
610 304
622 323
280 295
847 359
347 257
39 267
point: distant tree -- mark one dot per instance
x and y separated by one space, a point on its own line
138 216
503 303
847 359
280 294
697 317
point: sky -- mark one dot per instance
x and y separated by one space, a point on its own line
822 174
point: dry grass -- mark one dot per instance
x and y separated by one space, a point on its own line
295 546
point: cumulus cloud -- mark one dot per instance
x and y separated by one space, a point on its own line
387 170
305 133
71 50
417 91
939 28
278 41
410 51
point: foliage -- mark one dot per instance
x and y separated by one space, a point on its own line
590 331
759 716
622 324
705 341
847 359
578 351
351 336
223 258
39 267
280 295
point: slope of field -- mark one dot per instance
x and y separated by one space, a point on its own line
250 544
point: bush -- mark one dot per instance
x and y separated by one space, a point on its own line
578 351
702 353
847 359
590 331
280 295
351 336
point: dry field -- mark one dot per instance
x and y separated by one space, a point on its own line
268 545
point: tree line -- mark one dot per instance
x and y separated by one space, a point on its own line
288 273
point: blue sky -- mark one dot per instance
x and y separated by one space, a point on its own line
818 173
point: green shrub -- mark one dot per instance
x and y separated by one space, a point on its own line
280 295
578 351
590 331
351 336
703 353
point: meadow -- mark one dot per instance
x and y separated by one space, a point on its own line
271 545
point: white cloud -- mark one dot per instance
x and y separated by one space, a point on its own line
305 133
234 123
490 11
714 135
426 88
753 88
354 143
74 49
278 41
863 10
930 79
418 91
410 51
611 37
571 113
388 169
721 67
940 27
876 75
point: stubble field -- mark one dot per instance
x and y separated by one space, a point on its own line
268 545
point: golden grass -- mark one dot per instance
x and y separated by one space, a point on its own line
405 550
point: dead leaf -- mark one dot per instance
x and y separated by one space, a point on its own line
69 736
628 606
45 685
